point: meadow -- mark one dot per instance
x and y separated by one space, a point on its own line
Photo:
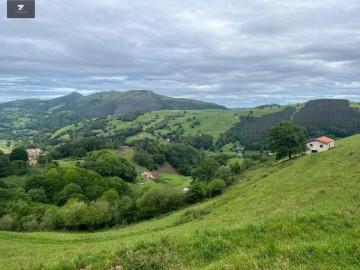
297 214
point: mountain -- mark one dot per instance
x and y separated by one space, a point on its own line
297 214
34 114
113 103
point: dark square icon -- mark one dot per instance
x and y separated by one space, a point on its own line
21 8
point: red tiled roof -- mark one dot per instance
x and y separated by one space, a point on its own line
323 139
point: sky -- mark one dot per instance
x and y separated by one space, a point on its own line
237 53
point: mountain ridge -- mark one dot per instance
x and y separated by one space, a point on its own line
73 107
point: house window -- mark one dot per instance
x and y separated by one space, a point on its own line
321 146
311 145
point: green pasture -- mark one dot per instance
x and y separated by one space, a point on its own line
297 214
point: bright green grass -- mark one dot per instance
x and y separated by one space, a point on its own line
213 122
178 181
140 136
235 160
68 163
298 214
128 154
63 130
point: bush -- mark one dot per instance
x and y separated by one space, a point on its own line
215 187
158 201
7 223
79 152
226 174
19 154
197 192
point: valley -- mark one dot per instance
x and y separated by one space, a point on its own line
108 192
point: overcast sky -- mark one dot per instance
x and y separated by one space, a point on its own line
238 53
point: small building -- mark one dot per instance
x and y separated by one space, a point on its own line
185 190
320 144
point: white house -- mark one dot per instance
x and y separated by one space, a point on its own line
320 144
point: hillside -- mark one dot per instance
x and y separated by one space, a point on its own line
329 116
165 124
336 118
298 214
28 116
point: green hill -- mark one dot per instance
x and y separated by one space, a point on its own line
297 214
28 116
336 118
164 123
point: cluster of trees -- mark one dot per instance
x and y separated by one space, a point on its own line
15 162
184 158
209 180
80 199
66 198
107 164
79 148
330 117
253 132
87 198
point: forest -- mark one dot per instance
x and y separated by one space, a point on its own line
102 191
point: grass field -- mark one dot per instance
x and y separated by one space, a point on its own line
298 214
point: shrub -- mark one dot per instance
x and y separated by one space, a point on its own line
215 187
158 201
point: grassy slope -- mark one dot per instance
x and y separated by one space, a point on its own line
301 214
213 122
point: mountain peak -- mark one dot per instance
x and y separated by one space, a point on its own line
73 96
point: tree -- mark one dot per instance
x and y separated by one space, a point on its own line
79 152
287 139
19 154
202 141
69 191
35 181
215 187
205 171
41 159
6 168
197 192
107 164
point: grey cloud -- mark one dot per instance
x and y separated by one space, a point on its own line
236 53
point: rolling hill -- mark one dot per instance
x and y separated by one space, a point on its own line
27 116
297 214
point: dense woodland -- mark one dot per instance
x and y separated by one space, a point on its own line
99 192
332 117
252 132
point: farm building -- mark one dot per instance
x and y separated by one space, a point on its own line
320 144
